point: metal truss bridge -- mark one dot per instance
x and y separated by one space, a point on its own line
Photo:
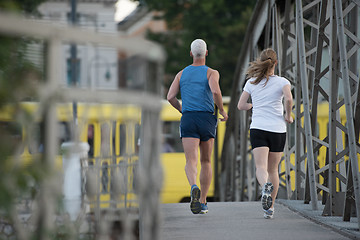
318 50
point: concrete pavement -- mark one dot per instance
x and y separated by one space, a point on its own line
242 220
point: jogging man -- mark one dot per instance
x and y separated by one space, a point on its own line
199 88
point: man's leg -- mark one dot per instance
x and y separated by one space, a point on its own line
206 169
191 146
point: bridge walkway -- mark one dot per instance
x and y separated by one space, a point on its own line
244 220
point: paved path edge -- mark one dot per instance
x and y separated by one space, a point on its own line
318 218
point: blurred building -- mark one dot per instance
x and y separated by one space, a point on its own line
137 24
97 66
141 20
100 67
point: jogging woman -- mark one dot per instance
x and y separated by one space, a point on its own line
268 125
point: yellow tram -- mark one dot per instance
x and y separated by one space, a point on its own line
113 134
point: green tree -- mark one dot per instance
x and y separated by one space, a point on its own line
221 23
16 72
17 76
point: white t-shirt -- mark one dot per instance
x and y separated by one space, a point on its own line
268 110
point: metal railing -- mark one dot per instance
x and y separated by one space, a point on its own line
50 93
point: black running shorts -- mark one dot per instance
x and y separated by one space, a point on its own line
261 138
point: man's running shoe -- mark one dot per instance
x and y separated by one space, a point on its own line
195 205
204 208
266 198
269 214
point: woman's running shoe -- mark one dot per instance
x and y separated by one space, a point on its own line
195 205
268 214
266 198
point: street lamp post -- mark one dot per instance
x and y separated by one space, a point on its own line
73 51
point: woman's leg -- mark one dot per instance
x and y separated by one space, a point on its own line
261 162
273 170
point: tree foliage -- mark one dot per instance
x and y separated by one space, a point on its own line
221 23
16 72
16 84
21 6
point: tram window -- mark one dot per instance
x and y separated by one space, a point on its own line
113 140
104 177
12 133
122 134
90 139
36 143
292 135
346 137
105 139
327 129
36 138
171 141
137 138
64 132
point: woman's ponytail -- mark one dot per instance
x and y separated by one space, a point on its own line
260 68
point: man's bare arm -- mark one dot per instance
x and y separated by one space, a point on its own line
216 91
173 91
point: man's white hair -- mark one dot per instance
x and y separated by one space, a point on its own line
198 48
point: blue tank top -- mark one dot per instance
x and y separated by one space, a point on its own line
195 91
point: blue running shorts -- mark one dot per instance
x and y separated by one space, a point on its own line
200 125
273 140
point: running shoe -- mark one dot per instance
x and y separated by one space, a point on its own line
195 205
266 198
269 214
204 208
